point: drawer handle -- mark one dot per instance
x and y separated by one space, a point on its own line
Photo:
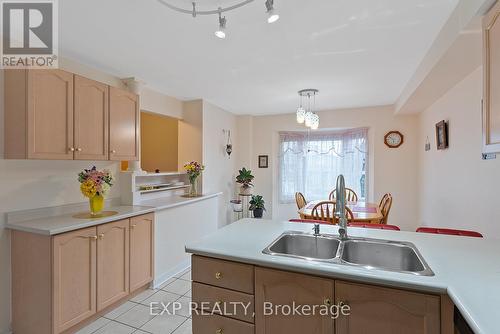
327 302
218 275
218 303
101 236
133 226
219 331
94 237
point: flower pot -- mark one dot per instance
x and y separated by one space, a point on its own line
96 205
245 190
258 213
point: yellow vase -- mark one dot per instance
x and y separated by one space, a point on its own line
96 205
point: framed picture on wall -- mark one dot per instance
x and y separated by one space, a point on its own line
442 135
263 161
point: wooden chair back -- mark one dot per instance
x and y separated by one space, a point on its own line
385 207
350 195
300 200
325 211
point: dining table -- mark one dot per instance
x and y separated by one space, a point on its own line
364 212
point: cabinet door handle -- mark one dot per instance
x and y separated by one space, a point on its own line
93 237
327 301
101 236
133 226
343 303
72 149
218 275
78 149
219 331
113 151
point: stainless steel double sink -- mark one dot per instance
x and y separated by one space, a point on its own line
370 254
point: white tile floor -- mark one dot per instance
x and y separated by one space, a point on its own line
134 316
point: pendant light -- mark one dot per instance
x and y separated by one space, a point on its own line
307 116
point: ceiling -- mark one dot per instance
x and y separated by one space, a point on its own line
356 52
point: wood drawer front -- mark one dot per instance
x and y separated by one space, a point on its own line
224 274
214 324
236 305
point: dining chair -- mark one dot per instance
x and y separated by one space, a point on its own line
375 226
385 207
448 231
350 195
300 200
325 211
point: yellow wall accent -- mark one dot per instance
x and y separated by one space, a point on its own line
159 142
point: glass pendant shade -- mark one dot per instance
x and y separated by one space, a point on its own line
301 115
314 122
308 119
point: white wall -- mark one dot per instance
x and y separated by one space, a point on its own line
457 188
219 175
391 170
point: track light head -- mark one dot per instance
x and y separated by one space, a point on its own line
272 15
221 32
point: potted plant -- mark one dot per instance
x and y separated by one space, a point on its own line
245 178
257 206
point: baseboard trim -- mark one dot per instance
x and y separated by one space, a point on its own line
162 278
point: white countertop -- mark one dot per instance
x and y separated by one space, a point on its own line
52 225
40 222
467 269
163 203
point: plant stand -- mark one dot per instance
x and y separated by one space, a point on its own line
245 201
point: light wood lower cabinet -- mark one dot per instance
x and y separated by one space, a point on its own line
59 281
141 251
279 288
74 277
372 309
382 310
112 262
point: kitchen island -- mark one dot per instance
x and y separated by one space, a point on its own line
466 270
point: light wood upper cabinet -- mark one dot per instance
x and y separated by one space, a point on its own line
57 115
91 119
123 125
491 99
284 288
141 251
112 262
74 282
38 114
382 310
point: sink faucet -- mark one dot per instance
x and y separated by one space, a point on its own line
316 230
340 207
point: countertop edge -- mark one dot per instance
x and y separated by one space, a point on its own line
181 203
78 226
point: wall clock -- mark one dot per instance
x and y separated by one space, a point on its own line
394 139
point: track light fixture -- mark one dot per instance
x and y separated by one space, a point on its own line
220 33
272 15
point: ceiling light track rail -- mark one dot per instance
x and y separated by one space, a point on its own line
194 12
